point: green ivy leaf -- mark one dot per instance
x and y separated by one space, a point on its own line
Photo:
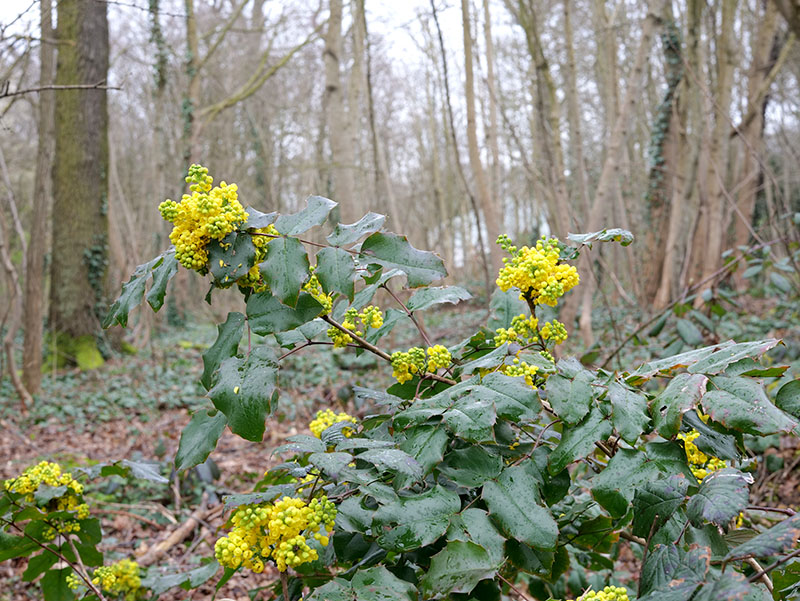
472 466
243 391
629 412
315 213
770 542
286 269
656 502
428 297
570 398
267 315
741 404
162 274
230 258
413 522
342 235
199 438
395 252
513 502
336 271
225 346
457 569
722 495
681 395
577 442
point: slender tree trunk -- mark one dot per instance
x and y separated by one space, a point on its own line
80 182
491 84
488 204
34 261
191 101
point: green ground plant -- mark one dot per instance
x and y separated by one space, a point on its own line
487 469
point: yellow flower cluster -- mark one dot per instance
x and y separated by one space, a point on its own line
325 419
536 272
700 463
438 357
204 215
609 593
523 330
120 578
279 531
253 279
555 331
417 360
524 370
313 287
370 317
50 474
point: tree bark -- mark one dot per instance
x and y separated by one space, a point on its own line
33 315
80 175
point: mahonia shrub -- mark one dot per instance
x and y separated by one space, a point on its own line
488 467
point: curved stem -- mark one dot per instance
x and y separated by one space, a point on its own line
421 329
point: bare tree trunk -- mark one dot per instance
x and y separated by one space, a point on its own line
491 84
488 204
191 101
34 261
342 153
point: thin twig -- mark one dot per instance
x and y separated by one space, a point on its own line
285 586
88 86
769 568
785 511
421 329
764 578
519 593
646 549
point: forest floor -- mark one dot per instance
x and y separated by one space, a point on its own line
135 407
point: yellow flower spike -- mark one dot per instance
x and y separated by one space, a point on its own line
325 419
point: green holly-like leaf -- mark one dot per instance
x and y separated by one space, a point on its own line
133 289
243 391
373 584
230 258
457 569
474 525
788 398
504 307
624 237
472 419
472 466
315 213
199 438
393 460
770 542
570 397
161 583
579 441
689 332
225 346
489 360
513 502
267 315
395 252
741 404
55 587
628 469
722 495
711 441
336 271
728 587
629 412
673 574
428 297
39 564
265 496
285 269
15 546
513 399
343 235
426 444
656 502
330 464
162 274
681 395
409 523
728 353
530 560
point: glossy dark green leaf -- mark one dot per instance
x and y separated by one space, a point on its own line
199 438
330 464
579 441
730 586
342 235
775 540
15 546
38 564
426 444
161 583
265 496
514 400
230 258
472 466
472 419
504 307
788 398
301 443
428 297
681 395
674 573
741 404
417 521
570 398
243 390
655 503
315 213
133 291
629 412
336 271
267 315
55 587
689 332
395 252
379 584
597 534
727 353
530 560
286 269
722 495
474 525
393 460
457 569
513 502
711 441
162 274
487 361
225 346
